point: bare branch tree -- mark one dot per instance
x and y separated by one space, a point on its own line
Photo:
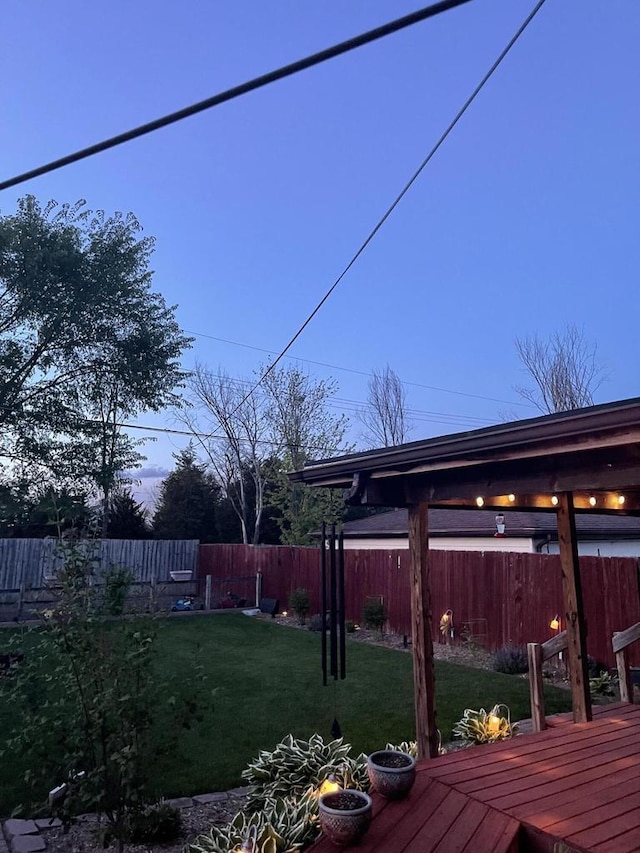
565 368
236 446
385 417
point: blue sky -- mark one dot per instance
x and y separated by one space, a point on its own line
527 218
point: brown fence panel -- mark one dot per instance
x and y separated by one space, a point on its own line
497 598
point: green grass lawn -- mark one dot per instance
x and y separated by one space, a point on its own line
268 681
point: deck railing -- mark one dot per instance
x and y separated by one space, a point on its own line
538 653
621 640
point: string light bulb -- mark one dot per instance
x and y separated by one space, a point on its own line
555 624
554 500
592 500
512 498
480 501
621 500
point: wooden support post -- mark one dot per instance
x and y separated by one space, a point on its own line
573 610
207 593
536 693
421 617
621 640
624 677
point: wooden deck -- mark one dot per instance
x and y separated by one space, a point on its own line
578 784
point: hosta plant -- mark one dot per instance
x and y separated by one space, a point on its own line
295 766
281 826
411 747
485 726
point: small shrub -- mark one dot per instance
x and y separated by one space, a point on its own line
594 667
511 660
158 823
375 615
300 603
603 684
315 623
117 584
485 726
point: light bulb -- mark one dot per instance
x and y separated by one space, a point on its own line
621 499
512 498
329 785
592 501
480 501
493 723
554 500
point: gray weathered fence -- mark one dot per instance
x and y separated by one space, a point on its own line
28 563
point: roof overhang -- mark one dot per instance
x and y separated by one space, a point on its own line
592 452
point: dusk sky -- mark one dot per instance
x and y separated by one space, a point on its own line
526 220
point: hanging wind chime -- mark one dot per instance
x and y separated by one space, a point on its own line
333 652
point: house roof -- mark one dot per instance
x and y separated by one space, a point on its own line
481 522
592 452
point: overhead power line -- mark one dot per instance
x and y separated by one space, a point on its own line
237 91
362 372
400 195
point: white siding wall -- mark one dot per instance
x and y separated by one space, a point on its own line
449 543
621 548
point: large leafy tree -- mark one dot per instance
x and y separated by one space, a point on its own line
188 500
84 341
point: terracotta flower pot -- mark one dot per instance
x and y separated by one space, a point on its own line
391 773
345 816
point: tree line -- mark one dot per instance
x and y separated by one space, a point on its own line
86 345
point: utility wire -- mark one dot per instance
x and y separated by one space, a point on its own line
400 196
362 372
237 91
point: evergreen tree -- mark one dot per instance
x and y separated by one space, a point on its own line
188 500
127 518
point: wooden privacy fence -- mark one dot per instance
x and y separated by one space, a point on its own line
496 598
29 562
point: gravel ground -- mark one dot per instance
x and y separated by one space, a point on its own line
196 820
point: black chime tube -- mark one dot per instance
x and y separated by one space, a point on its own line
342 607
334 603
323 602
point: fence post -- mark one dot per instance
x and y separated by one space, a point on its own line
258 587
21 599
152 593
207 593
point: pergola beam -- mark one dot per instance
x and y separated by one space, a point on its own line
573 610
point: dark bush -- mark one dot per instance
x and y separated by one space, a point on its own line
315 623
300 603
595 668
157 823
350 626
375 615
511 660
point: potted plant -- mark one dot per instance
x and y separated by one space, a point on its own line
391 772
345 816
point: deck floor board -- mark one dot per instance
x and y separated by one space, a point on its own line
577 784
